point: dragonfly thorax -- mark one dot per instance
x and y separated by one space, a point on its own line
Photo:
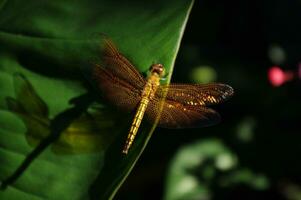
157 68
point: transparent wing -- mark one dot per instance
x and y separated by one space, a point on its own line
177 115
196 94
116 90
114 62
185 104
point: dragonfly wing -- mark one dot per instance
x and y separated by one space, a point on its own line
118 65
177 115
196 94
116 90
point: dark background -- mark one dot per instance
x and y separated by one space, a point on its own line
235 38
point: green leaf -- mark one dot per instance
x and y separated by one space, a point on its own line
55 141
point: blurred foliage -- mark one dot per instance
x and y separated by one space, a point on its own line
199 169
46 102
203 74
245 129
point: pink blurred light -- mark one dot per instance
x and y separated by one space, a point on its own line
276 76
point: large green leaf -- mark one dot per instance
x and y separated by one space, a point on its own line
47 43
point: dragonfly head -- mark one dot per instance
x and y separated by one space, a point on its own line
157 68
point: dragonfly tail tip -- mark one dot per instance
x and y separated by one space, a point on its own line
125 151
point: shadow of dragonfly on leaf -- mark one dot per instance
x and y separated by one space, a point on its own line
83 128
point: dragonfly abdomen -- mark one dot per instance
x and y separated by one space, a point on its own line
147 93
136 123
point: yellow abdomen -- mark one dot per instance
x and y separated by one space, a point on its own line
148 91
135 125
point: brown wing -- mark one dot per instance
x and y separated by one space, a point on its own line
176 115
196 94
116 90
184 106
119 66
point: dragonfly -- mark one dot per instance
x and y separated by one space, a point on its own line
170 105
